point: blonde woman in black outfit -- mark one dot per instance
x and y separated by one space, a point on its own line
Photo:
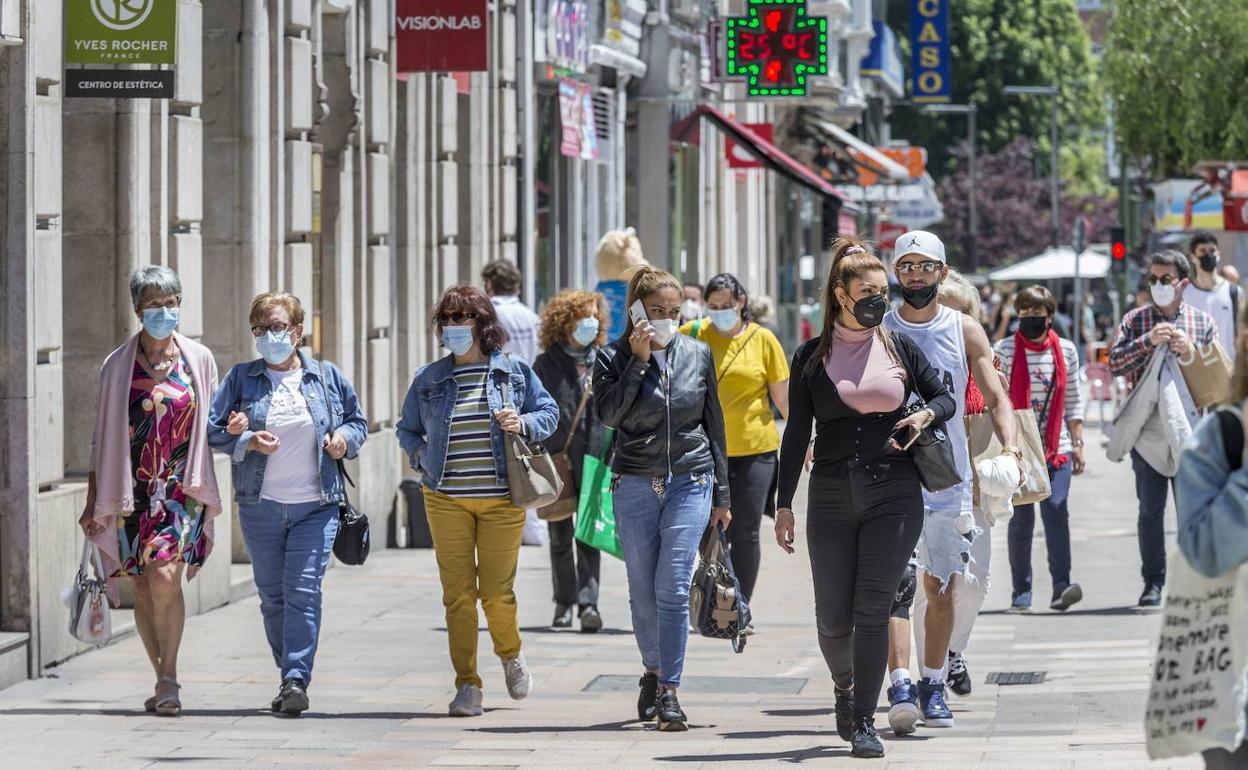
865 506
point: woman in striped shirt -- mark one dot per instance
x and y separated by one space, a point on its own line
1047 383
452 426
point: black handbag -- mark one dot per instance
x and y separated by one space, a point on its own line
717 608
932 451
351 544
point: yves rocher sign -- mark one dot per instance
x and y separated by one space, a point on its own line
442 35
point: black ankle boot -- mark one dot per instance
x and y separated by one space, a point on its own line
671 716
648 700
844 713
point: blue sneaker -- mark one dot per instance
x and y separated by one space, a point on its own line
903 707
1021 602
932 701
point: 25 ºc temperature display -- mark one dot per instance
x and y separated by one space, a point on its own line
776 47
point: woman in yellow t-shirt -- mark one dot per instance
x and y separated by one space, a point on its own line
750 366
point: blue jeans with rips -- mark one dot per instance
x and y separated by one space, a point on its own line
660 533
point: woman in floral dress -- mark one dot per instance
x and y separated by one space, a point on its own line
152 491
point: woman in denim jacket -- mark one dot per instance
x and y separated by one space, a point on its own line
1211 500
286 420
454 417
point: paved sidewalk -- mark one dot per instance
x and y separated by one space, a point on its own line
383 680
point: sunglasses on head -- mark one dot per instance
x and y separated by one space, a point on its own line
455 319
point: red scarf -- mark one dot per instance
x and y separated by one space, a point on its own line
1020 390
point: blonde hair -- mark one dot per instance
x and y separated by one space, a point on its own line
646 281
263 303
850 259
619 253
959 290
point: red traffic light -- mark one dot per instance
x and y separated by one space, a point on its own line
1120 250
1118 243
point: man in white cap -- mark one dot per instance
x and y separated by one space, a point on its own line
957 347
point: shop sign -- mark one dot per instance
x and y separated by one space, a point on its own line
565 44
929 47
914 159
576 117
119 84
883 61
775 47
737 155
120 31
441 35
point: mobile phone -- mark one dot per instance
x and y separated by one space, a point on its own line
637 311
905 437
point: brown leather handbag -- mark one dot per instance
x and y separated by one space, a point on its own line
565 506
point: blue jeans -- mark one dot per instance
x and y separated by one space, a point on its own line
1056 518
660 534
290 547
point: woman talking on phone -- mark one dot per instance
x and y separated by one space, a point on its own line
865 504
656 387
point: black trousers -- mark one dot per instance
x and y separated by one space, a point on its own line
575 577
861 528
751 482
1151 489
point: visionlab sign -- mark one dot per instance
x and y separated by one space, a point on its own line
120 31
442 35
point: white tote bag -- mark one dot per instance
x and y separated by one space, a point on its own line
89 618
1197 696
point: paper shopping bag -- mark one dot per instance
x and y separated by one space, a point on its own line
985 446
1207 372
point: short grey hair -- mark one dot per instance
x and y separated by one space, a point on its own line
153 278
956 288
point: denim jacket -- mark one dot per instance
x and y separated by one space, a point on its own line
247 389
424 428
1212 502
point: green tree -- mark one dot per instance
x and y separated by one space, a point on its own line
1175 71
995 43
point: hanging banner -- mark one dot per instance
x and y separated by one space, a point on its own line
737 155
120 31
441 35
576 118
929 46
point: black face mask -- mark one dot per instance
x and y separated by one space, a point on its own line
920 298
869 311
1033 326
1208 261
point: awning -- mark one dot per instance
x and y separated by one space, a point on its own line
876 160
1054 263
766 152
605 56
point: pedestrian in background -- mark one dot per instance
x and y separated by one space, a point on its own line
152 489
656 388
1043 374
574 327
451 430
1167 322
865 499
1210 292
693 307
750 372
1211 500
286 419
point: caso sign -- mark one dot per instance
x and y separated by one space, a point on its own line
442 35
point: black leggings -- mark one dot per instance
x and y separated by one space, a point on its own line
752 483
861 528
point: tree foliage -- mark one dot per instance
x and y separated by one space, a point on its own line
995 43
1175 70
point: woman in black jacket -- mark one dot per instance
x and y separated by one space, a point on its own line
865 503
574 326
656 387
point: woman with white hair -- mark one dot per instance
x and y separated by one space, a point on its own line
152 491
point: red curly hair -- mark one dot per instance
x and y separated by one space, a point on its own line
565 309
491 336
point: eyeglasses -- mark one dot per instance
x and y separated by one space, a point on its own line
926 266
1164 280
455 319
260 331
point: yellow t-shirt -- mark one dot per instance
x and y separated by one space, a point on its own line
746 365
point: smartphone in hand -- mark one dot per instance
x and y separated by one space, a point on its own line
905 437
637 311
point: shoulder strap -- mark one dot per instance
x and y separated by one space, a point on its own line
696 330
576 418
1232 437
728 364
1235 292
342 467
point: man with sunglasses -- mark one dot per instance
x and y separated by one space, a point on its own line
956 346
1170 322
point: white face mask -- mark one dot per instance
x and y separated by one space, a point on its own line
664 331
691 309
1163 294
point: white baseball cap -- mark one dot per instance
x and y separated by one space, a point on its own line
919 242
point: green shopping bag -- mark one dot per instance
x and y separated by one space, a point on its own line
595 521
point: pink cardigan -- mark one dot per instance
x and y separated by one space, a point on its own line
110 448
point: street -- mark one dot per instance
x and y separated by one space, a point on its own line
383 679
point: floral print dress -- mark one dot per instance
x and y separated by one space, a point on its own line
165 525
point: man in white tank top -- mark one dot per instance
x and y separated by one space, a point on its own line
956 346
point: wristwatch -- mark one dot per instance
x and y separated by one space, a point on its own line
1012 450
1077 443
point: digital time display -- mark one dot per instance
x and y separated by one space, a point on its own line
776 47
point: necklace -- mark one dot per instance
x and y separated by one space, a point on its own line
165 362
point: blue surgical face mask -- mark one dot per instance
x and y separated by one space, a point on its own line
724 319
457 339
276 348
160 321
586 331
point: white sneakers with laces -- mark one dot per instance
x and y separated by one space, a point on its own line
467 702
519 680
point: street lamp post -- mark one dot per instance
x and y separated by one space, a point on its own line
1054 195
970 111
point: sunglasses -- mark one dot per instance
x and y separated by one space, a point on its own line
1164 280
456 319
926 266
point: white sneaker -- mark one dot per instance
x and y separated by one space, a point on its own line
519 681
467 702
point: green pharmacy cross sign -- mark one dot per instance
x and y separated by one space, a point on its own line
776 46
